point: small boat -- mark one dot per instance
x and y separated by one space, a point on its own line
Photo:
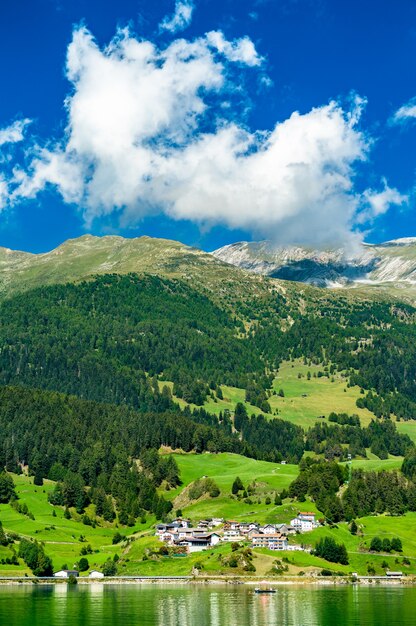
264 590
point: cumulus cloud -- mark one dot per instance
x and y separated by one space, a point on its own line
180 19
10 135
240 50
379 202
145 134
405 113
13 133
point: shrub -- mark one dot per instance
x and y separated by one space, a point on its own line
202 486
396 544
386 545
109 568
237 486
83 564
249 567
325 572
376 544
117 537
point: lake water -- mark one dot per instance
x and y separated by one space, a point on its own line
147 605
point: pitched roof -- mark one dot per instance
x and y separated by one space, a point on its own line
268 536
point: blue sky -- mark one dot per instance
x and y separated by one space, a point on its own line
219 154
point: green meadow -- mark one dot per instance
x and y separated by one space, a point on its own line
304 400
223 468
62 538
407 428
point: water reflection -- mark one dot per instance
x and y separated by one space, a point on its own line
187 605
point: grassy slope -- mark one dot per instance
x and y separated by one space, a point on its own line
321 395
62 541
84 257
408 428
304 399
224 468
63 545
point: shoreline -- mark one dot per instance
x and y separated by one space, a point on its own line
214 581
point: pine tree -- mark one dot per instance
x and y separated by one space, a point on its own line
237 486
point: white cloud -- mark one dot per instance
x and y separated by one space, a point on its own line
181 18
405 113
143 136
294 184
10 135
377 203
13 133
240 50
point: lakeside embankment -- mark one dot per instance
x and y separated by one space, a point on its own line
206 580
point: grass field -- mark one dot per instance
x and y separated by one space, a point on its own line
231 395
359 556
60 536
407 428
223 469
304 400
376 464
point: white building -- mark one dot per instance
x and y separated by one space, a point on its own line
216 521
95 574
232 535
200 542
66 573
304 522
274 541
268 529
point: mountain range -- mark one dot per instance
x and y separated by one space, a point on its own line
390 266
112 348
392 263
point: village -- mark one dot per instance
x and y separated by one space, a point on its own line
181 534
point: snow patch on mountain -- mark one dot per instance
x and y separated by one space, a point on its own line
390 262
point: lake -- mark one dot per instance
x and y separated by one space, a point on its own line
147 605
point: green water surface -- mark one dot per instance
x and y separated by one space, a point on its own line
147 605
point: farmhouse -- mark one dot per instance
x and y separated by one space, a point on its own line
216 521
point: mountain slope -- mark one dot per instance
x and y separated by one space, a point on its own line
392 262
80 259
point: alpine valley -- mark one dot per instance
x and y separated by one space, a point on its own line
252 410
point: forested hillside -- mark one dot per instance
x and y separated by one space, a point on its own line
97 375
102 339
99 338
